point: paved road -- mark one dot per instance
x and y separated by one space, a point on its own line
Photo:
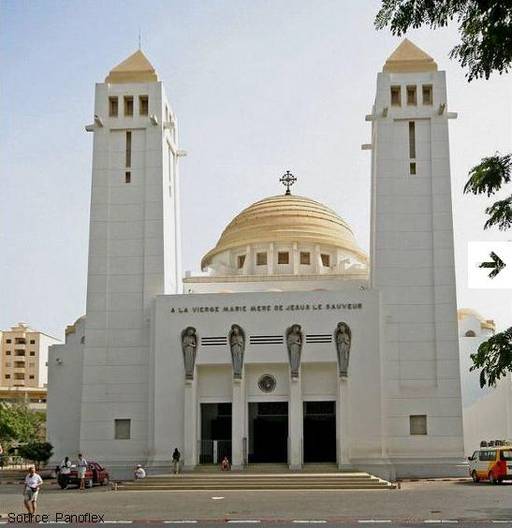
422 503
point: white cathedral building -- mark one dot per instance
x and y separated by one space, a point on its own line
293 346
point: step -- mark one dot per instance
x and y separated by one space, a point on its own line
357 486
267 484
180 482
201 482
233 474
256 487
256 481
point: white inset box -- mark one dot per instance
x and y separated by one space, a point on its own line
497 254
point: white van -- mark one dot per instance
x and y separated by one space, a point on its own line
491 463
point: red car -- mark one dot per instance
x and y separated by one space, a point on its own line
94 474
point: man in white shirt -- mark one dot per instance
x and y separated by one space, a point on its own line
81 467
139 472
64 472
31 489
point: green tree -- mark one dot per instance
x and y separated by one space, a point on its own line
494 357
19 424
37 452
485 29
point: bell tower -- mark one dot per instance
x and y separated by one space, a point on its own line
134 255
412 261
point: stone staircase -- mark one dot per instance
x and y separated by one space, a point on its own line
257 481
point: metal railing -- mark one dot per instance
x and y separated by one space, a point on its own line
213 451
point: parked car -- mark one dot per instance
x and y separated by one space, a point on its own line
491 463
94 474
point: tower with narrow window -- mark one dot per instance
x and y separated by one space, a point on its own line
412 263
134 255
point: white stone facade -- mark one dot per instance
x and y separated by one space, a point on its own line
412 265
487 411
397 412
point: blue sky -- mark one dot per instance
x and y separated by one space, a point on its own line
258 87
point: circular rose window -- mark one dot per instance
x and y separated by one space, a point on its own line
267 383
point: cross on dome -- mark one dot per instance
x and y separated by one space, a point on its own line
288 179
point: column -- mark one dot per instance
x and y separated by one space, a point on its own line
317 260
342 406
190 420
238 423
295 424
270 259
295 259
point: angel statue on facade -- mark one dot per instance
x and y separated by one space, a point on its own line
343 340
189 347
237 347
294 340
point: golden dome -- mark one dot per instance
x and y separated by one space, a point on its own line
286 218
487 324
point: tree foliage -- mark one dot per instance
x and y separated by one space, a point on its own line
485 28
494 357
19 424
488 177
37 452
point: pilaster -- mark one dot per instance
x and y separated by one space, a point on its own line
295 424
190 420
238 424
342 406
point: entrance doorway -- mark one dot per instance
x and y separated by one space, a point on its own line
268 432
215 432
320 431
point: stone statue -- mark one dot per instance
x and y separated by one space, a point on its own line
294 340
189 347
343 340
237 347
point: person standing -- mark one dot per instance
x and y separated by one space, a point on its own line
64 472
81 468
31 490
1 456
176 461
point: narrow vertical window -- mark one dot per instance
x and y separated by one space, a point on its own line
143 105
240 261
127 177
128 105
427 94
395 96
412 167
128 149
112 106
411 96
326 260
412 139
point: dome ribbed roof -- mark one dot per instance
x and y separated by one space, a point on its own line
286 218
